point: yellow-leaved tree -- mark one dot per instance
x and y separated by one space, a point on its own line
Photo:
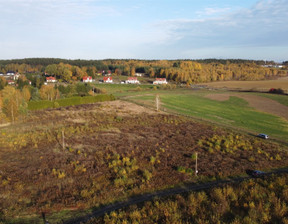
13 103
49 93
26 93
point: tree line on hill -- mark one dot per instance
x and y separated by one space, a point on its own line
180 71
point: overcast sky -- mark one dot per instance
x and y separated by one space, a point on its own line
144 29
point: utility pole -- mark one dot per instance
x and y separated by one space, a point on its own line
196 164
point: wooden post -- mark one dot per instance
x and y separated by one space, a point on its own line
157 102
63 140
196 165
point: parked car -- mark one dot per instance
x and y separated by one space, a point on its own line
255 173
263 136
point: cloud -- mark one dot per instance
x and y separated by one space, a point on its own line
213 11
265 24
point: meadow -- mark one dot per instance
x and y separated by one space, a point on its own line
234 112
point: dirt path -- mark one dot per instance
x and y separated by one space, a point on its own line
163 193
257 102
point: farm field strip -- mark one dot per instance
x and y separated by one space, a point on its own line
235 112
264 85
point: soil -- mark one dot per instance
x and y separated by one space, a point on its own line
257 102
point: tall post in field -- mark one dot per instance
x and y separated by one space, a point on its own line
157 101
196 164
63 140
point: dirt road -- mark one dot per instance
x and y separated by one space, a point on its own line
163 193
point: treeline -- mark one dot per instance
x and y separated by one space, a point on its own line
15 102
253 201
180 71
78 62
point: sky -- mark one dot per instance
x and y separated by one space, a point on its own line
144 29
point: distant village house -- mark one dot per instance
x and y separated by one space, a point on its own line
51 79
160 81
132 80
87 79
107 79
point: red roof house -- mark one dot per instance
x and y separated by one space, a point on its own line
107 79
51 79
160 81
132 80
87 79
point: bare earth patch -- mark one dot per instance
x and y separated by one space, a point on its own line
124 107
257 102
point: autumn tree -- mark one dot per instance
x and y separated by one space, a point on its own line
26 93
3 82
151 73
13 103
132 71
78 72
49 93
51 69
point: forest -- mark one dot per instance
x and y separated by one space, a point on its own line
179 71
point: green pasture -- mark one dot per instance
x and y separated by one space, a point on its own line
234 112
122 88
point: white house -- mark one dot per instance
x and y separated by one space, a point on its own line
107 79
87 79
132 80
160 81
10 73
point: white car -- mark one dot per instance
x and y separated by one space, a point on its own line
263 136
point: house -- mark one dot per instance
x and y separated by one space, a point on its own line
10 82
107 79
132 80
87 79
10 73
1 74
160 81
16 76
51 79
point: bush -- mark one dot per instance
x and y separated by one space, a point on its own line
276 91
77 100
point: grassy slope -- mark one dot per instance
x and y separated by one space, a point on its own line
234 112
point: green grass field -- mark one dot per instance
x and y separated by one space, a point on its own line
234 112
122 89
